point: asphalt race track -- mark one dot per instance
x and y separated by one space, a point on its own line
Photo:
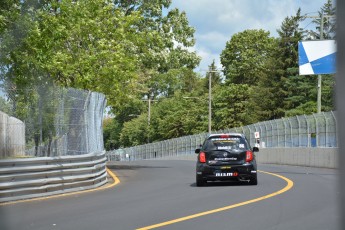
163 192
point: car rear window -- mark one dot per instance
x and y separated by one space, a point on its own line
226 143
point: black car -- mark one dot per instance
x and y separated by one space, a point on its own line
226 157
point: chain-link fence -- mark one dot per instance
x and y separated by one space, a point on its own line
57 121
317 130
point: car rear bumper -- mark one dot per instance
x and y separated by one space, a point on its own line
226 172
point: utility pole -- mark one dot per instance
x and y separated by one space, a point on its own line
210 99
149 113
319 78
149 100
209 102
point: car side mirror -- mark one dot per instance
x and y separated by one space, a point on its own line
197 151
255 149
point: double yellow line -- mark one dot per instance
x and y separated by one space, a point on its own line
286 188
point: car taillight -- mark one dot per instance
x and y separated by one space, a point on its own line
202 157
249 156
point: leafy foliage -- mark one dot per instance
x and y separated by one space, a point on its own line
275 87
326 18
245 56
232 106
133 51
5 106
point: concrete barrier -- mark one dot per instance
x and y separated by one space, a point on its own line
12 136
310 157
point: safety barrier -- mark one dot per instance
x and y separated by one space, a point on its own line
312 131
309 157
12 136
44 176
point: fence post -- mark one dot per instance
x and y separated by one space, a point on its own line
272 142
317 130
291 135
299 136
335 127
326 129
308 132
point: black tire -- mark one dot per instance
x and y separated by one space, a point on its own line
200 181
254 180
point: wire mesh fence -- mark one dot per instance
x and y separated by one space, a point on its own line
316 130
50 121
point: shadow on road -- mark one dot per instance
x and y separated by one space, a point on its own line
222 184
131 167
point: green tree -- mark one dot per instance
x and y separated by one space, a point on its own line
169 34
231 106
301 91
111 133
329 32
9 12
302 95
135 132
247 60
245 56
165 84
98 46
216 78
327 12
180 116
273 89
165 57
5 106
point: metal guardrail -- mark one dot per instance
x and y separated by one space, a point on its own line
36 177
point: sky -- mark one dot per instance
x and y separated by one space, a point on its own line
216 21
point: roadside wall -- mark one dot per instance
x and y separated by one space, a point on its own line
12 136
309 157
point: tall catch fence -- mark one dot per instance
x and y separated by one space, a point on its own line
55 143
50 121
306 131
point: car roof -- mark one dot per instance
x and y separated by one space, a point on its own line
222 134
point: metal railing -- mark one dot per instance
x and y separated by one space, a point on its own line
317 130
60 136
44 176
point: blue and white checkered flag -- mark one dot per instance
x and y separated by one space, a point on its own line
317 57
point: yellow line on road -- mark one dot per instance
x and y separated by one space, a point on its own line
115 182
286 188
